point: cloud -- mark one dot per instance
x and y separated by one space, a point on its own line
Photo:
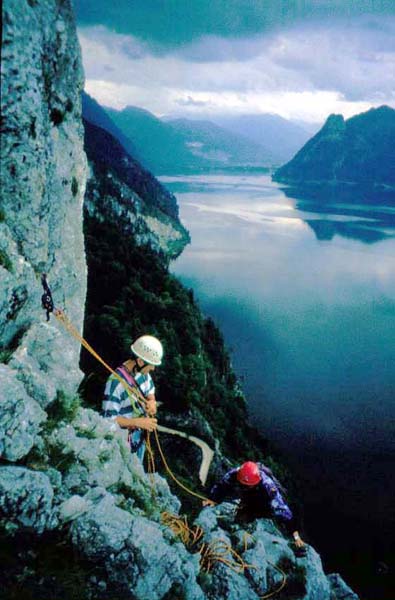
357 60
165 24
311 106
344 67
189 101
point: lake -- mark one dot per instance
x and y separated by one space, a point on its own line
302 286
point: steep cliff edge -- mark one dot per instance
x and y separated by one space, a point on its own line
43 175
79 518
120 190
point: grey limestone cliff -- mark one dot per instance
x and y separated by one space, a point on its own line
43 175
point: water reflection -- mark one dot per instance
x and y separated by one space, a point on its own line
355 213
351 212
325 230
347 194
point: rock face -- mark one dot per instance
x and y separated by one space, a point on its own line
43 183
358 150
20 417
271 563
124 543
26 500
339 589
120 189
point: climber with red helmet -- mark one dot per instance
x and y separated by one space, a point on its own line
120 405
260 494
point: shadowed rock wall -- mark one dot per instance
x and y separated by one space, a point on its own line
43 175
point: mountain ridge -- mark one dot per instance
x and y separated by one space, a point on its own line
198 144
93 112
186 145
238 147
282 136
360 149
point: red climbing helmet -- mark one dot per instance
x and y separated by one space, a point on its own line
248 473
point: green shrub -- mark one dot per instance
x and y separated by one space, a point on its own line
63 408
58 459
5 355
74 186
5 261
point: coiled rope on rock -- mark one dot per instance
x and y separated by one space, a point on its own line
216 551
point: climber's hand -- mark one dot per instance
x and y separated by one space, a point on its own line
299 543
208 502
147 423
150 406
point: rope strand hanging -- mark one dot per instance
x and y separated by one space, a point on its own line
62 318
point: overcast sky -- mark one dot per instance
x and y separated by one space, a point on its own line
301 59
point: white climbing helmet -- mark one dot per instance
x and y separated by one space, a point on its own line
149 349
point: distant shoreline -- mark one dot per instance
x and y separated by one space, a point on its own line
333 184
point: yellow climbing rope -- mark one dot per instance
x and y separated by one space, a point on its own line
67 324
282 584
151 466
189 536
135 392
170 472
219 551
284 576
216 551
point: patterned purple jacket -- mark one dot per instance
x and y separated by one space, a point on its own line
265 496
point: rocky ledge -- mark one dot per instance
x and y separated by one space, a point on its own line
82 480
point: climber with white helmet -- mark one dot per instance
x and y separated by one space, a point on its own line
261 496
119 402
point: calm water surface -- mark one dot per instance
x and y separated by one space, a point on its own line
303 289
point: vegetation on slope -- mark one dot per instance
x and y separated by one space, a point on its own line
131 292
358 150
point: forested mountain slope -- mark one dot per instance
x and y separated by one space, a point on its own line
357 150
